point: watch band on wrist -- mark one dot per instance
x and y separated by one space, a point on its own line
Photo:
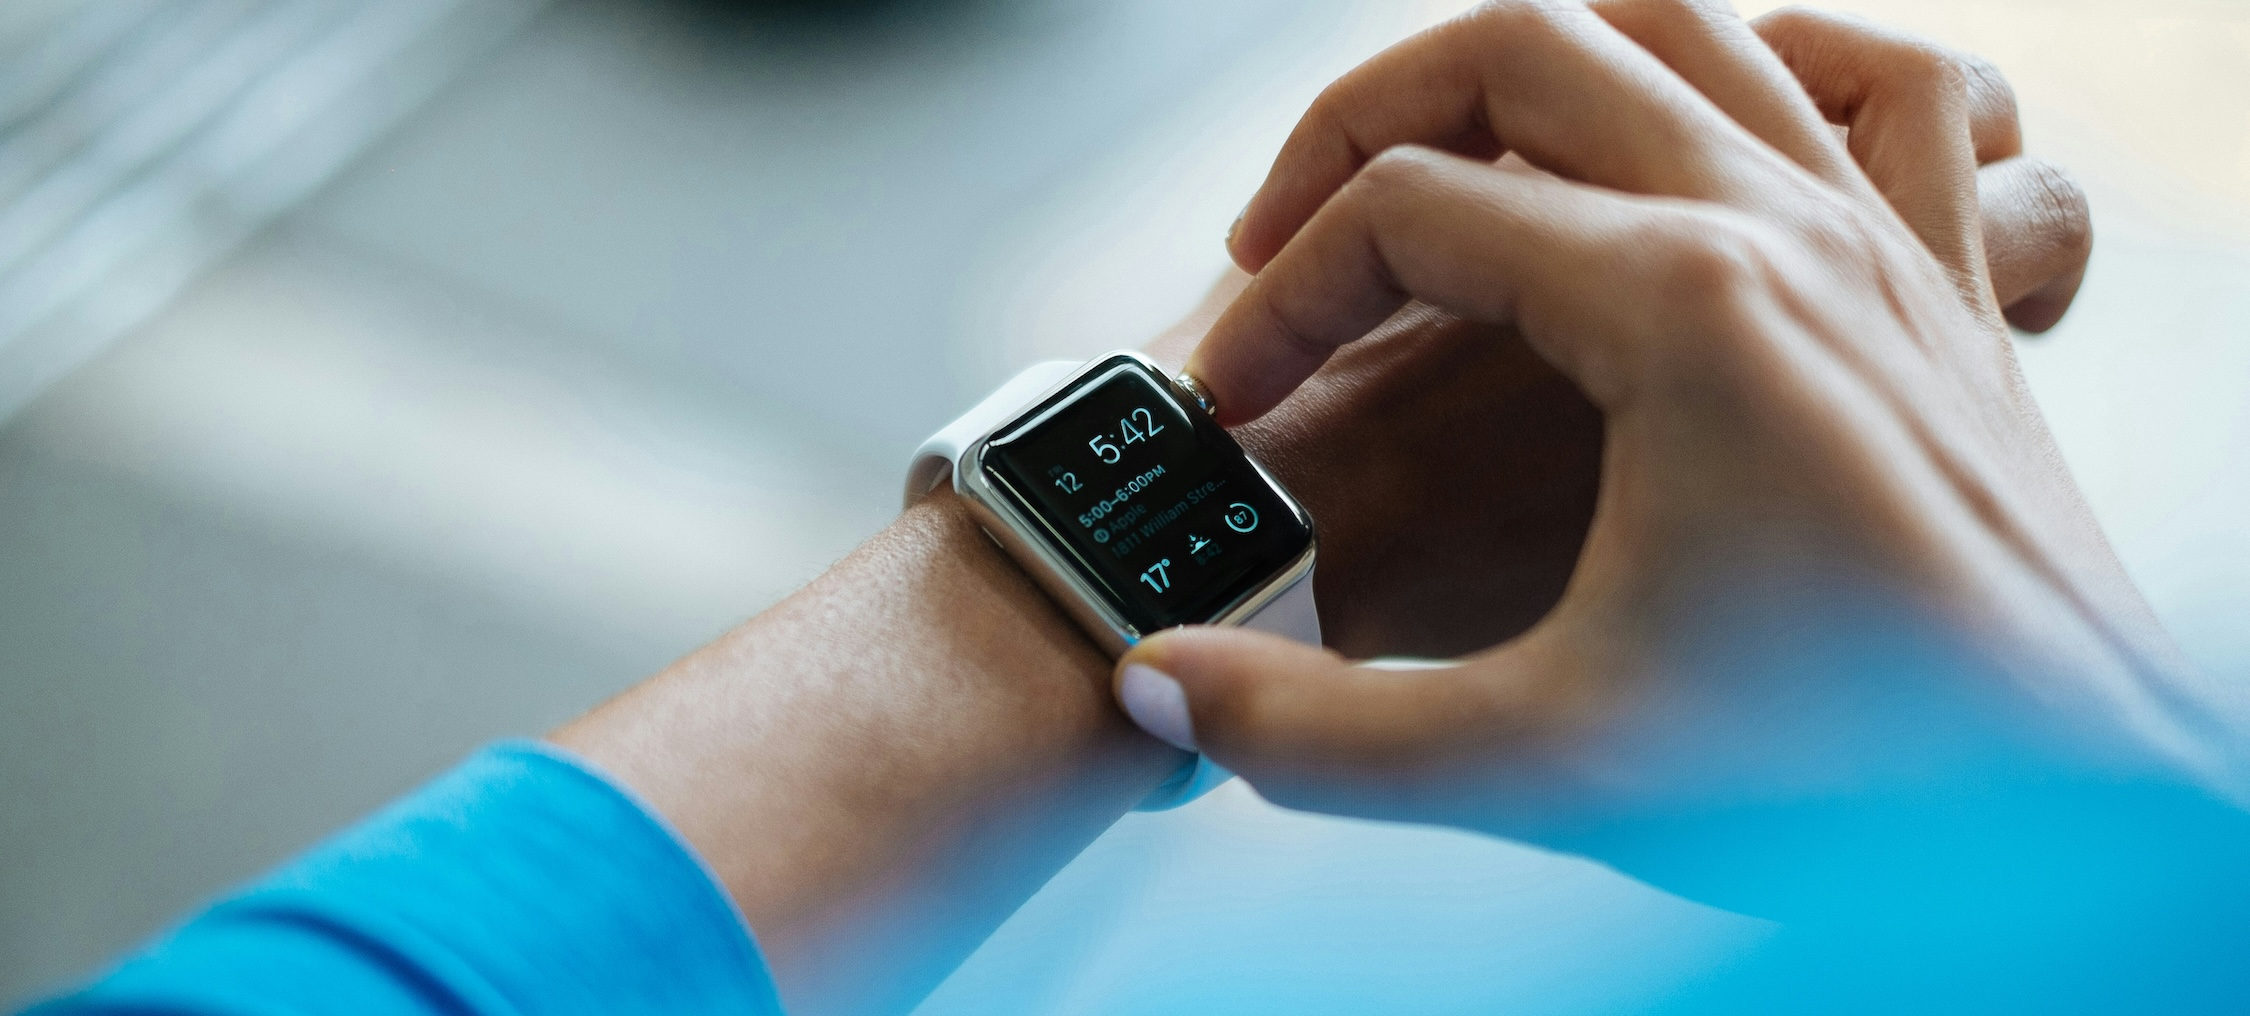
1290 615
935 460
1165 497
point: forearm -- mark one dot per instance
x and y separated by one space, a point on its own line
878 771
884 766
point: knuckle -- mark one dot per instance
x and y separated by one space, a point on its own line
1798 26
1995 124
1877 52
1650 20
1505 11
1394 177
1329 110
1708 262
1710 270
1987 82
1793 17
1511 19
1332 96
1930 68
1398 165
2060 213
1296 327
1682 13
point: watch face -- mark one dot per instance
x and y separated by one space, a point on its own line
1159 510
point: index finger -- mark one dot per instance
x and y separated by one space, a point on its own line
1553 83
1480 241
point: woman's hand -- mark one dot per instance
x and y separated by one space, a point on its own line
1833 550
1438 556
883 766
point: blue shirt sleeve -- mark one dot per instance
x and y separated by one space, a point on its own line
520 882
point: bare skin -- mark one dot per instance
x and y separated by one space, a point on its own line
1817 447
884 766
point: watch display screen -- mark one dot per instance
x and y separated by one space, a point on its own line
1162 512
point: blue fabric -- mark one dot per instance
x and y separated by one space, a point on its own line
520 882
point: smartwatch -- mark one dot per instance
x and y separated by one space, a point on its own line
1112 486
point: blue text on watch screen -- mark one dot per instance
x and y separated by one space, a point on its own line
1161 510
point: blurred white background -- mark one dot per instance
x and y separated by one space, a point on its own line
373 427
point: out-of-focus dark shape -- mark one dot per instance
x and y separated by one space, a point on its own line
819 22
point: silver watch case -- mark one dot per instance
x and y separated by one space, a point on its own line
1023 537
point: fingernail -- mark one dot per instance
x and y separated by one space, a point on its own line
1157 703
1237 227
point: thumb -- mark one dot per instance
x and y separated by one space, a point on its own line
1311 730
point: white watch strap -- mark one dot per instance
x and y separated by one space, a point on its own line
933 462
1290 615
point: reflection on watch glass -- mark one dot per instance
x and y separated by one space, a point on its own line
1162 512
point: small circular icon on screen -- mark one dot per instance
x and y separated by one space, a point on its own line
1241 517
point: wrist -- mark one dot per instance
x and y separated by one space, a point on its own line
883 766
